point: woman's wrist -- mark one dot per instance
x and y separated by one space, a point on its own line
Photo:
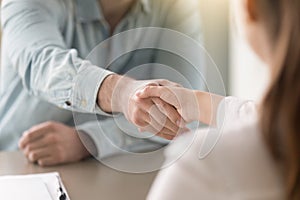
208 105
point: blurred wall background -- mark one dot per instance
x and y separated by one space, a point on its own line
248 74
215 23
244 75
241 70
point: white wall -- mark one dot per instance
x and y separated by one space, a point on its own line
216 32
248 74
244 75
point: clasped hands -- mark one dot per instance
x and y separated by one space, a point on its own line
160 107
157 106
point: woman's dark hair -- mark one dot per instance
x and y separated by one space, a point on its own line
280 119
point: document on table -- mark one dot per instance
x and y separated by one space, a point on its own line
46 186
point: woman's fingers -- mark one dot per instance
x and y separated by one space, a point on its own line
158 124
170 112
167 94
158 119
151 91
164 133
161 119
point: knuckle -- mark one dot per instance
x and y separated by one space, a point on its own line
52 138
135 113
29 135
41 163
32 156
60 156
136 120
147 89
158 127
26 153
137 100
29 148
50 125
163 81
164 106
168 94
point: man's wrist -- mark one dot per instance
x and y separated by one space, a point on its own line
114 93
105 93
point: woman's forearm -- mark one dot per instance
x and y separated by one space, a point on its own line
208 105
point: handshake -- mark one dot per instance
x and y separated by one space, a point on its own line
160 107
157 106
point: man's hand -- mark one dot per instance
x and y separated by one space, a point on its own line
117 94
52 143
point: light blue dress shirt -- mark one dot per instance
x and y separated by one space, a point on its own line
45 74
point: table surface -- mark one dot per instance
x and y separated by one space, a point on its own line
86 180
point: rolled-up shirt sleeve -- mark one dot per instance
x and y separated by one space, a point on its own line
33 39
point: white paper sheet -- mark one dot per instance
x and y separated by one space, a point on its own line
31 187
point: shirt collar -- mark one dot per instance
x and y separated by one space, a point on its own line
90 10
145 5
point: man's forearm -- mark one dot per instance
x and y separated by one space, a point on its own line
111 94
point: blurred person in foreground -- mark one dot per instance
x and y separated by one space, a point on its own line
258 153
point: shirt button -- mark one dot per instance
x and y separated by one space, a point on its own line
68 103
83 103
69 77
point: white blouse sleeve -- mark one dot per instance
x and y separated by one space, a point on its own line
231 109
192 176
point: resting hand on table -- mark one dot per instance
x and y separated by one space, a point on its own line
52 143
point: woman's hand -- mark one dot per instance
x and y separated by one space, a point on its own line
192 105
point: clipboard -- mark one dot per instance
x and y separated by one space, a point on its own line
47 186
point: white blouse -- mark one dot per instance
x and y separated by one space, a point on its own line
237 167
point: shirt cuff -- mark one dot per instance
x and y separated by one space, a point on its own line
86 86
